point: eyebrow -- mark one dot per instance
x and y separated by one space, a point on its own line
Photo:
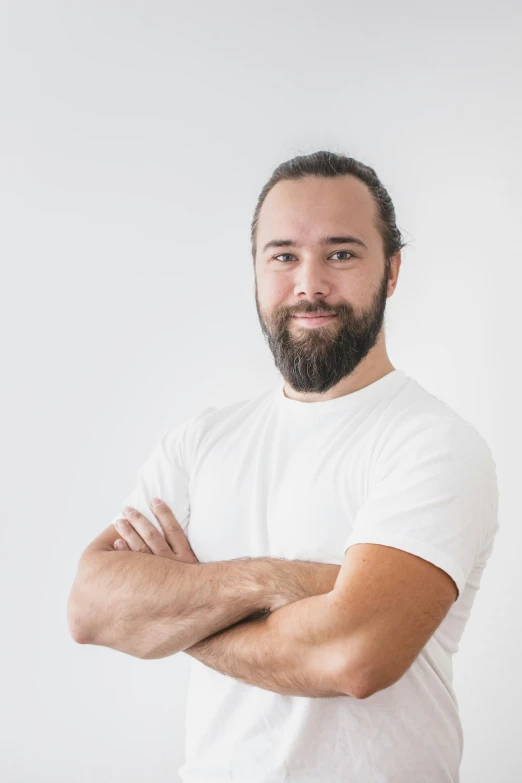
347 240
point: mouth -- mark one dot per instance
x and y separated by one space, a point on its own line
313 319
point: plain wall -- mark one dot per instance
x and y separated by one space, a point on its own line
135 138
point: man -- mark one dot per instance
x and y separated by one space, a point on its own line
317 548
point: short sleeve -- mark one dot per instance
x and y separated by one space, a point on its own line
435 495
166 474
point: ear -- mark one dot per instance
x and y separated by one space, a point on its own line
393 272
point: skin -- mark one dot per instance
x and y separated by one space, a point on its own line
136 530
341 278
377 613
319 277
276 657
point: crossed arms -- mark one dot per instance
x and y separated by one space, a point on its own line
292 627
249 618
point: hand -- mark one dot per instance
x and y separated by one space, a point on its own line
138 534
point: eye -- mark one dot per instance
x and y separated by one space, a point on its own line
336 253
344 251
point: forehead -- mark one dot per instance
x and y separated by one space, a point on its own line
308 208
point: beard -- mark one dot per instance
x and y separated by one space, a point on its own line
315 359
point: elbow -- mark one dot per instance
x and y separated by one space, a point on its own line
79 636
81 610
360 682
356 686
357 679
362 690
76 624
87 625
343 677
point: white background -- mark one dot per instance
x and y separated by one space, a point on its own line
135 138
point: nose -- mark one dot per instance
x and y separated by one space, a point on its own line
311 281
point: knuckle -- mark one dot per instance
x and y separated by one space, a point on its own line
152 534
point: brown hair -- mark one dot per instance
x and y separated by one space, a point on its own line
330 164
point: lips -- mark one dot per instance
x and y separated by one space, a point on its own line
313 315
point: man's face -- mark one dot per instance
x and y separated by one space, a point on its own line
345 279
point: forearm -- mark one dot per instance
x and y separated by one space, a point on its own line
293 651
151 607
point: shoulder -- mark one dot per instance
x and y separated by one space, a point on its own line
431 458
214 421
422 433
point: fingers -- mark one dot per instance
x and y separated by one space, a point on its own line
141 535
174 533
131 537
121 545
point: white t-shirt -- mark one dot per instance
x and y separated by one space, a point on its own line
271 476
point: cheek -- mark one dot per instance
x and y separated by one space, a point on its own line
356 289
274 291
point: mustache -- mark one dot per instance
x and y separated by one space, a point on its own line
285 313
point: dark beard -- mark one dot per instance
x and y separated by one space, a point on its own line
316 359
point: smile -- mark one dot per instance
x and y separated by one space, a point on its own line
313 320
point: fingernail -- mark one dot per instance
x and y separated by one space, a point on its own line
156 501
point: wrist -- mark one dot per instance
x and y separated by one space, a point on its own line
286 581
